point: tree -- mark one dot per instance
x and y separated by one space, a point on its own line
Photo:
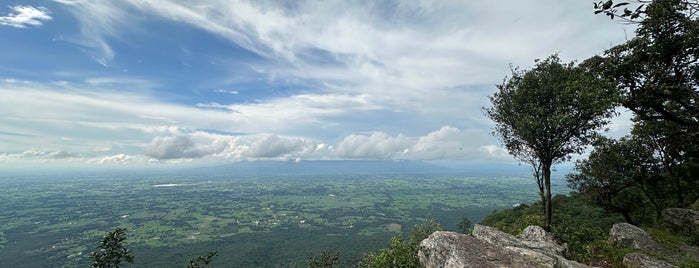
112 250
422 230
614 177
658 73
545 114
327 259
465 226
201 261
637 13
658 70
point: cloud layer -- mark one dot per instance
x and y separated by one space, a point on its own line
25 16
304 79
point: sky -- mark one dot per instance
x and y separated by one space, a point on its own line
158 82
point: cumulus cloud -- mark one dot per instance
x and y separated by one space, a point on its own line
446 143
270 146
24 16
201 144
173 148
377 145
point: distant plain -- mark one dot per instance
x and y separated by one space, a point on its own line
252 221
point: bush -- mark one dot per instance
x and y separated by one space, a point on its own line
402 253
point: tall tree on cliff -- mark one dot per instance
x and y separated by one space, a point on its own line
546 114
658 73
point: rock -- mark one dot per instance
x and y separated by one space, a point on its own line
533 237
683 220
536 257
538 238
449 249
627 235
534 243
640 260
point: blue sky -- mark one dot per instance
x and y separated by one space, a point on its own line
157 82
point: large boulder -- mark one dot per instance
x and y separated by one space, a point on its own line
489 247
627 235
449 249
683 220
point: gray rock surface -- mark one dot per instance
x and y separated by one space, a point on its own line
489 247
683 220
533 237
451 250
627 235
640 260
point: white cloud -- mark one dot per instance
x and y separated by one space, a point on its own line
492 151
173 148
377 145
24 16
445 143
422 69
113 159
271 146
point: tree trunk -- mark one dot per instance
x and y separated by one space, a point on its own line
548 208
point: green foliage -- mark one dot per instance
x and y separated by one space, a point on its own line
422 230
327 259
398 254
112 250
465 226
614 177
611 9
514 220
201 261
583 226
545 114
658 74
658 70
402 253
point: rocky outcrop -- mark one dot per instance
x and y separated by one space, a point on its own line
449 249
685 221
627 235
533 237
489 247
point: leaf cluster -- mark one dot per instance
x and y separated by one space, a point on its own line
112 250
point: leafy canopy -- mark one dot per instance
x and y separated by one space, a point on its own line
552 110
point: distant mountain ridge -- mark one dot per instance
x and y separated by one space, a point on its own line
319 167
322 167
